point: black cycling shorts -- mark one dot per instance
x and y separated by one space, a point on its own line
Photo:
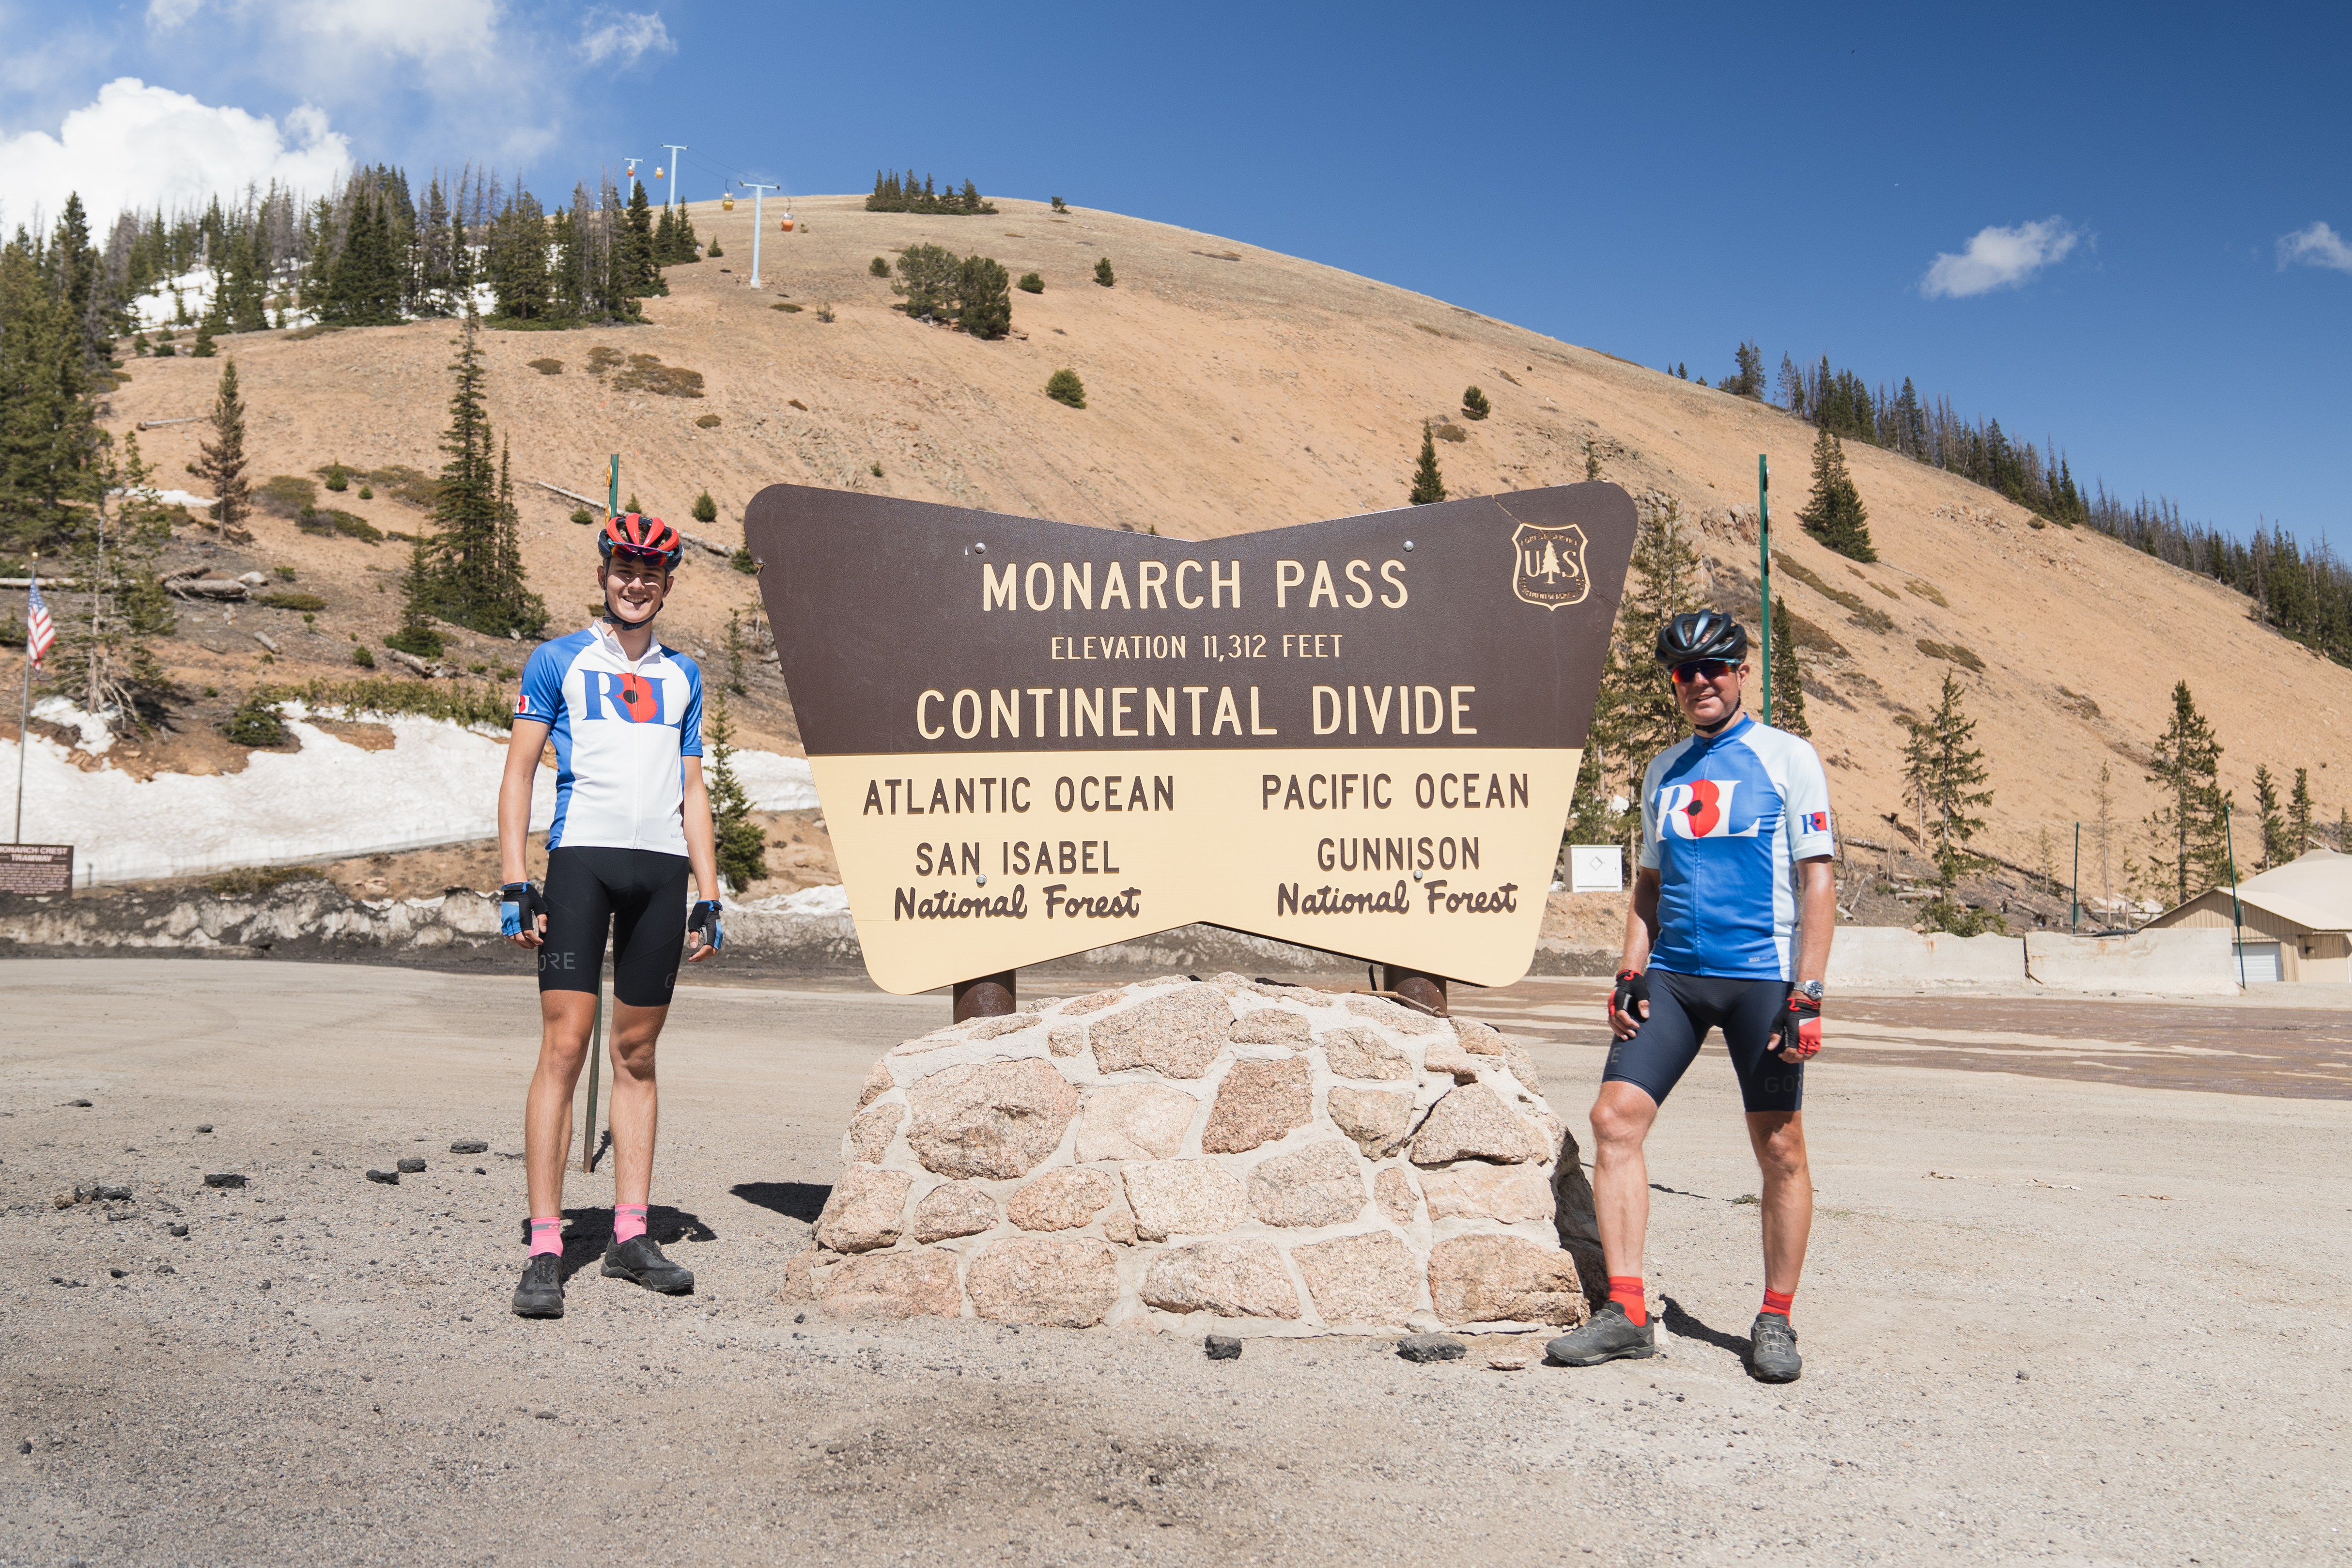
1683 1008
641 895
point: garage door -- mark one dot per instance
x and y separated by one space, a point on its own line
2262 961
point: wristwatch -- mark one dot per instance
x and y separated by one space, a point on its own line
1810 990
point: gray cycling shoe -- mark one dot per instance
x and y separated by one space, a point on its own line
640 1262
1772 1350
1609 1336
541 1294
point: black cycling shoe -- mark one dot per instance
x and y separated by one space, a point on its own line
541 1294
1772 1350
1609 1336
640 1262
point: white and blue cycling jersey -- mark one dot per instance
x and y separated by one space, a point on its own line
622 729
1725 819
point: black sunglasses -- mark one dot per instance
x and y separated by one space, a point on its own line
1702 670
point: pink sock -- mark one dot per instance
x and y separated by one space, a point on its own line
547 1235
628 1222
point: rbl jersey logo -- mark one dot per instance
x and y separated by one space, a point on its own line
522 706
634 699
1813 822
1700 809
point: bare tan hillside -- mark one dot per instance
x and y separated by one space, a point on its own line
1229 388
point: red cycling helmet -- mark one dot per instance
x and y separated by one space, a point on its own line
636 534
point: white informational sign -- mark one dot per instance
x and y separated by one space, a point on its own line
1596 869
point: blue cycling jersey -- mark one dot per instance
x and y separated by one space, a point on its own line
622 727
1725 819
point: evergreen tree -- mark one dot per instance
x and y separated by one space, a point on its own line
1635 714
1943 774
510 606
1103 274
1591 462
47 427
1428 484
2298 815
1834 513
705 509
220 460
420 599
1476 403
474 568
742 844
2191 840
212 323
2273 821
983 297
1747 381
643 267
1787 674
929 277
105 655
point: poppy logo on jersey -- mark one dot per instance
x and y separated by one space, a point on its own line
635 699
1700 809
1814 822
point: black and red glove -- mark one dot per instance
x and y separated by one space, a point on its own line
1799 1026
1633 986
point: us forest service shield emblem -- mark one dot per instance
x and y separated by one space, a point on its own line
1550 565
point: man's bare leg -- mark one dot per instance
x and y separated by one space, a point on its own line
1778 1137
1622 1118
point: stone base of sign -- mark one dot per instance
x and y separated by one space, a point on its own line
1221 1155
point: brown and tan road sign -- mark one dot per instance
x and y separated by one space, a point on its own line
1031 739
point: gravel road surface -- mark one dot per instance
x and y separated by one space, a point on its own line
2045 1319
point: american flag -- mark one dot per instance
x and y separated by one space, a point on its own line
40 630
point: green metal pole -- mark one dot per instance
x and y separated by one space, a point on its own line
1764 559
2237 910
2074 912
612 487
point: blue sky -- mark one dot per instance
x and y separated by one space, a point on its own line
2132 198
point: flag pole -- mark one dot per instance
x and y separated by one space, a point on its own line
25 708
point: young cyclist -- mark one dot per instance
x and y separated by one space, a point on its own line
1729 929
632 819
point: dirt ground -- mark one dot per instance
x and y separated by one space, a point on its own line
2114 1334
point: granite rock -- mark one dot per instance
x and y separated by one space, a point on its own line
1133 1121
1270 1027
1498 1278
863 1212
1177 1034
1320 1184
1062 1281
894 1285
1369 1279
1473 1123
992 1119
1505 1192
953 1209
1393 1189
1360 1053
1376 1119
1061 1199
1185 1197
1231 1279
1258 1102
870 1134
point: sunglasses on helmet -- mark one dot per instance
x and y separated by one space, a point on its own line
1702 670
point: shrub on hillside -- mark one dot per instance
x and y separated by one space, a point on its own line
291 601
984 297
1031 284
705 509
1474 404
582 515
928 275
1064 386
878 268
705 422
548 366
418 642
255 723
362 655
1103 274
1059 206
338 478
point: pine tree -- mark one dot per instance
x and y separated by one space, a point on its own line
1476 404
2104 799
2298 815
47 427
1944 773
1834 513
1787 674
705 509
475 564
983 297
511 606
644 271
220 460
2190 842
1103 274
105 653
742 844
420 600
1428 484
1591 462
1635 714
2273 821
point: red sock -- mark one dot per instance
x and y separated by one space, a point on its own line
1625 1289
1777 1301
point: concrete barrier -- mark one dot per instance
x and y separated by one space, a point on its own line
2181 962
1890 955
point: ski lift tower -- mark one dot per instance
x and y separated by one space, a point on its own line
675 149
757 192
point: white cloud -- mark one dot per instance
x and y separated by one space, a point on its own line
1998 258
136 146
623 36
343 31
2318 245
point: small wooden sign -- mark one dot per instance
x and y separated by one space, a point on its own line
36 869
1031 739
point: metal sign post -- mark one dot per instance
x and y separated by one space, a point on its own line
595 1062
2074 909
1764 575
612 487
2237 911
